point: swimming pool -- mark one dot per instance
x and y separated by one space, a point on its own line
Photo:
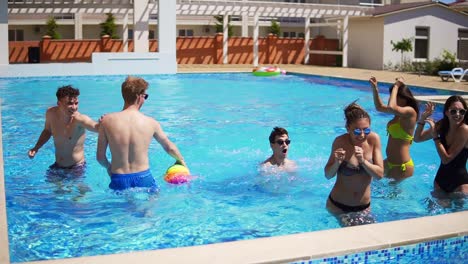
221 124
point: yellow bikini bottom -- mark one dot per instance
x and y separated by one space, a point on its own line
402 166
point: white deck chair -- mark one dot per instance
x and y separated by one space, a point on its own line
457 74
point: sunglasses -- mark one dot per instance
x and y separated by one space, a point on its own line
281 142
145 96
358 131
457 111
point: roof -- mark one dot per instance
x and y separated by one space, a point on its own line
390 9
460 5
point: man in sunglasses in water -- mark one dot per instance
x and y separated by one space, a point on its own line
128 134
279 143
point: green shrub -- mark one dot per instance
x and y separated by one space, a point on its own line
274 28
220 25
109 27
448 61
51 29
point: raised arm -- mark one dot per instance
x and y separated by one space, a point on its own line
420 134
101 150
379 105
337 155
168 146
460 141
394 108
44 137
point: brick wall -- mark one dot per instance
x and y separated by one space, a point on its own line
190 50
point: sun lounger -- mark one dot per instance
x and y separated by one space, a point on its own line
457 74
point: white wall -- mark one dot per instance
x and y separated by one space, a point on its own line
443 30
365 48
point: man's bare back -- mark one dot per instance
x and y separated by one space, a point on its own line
128 134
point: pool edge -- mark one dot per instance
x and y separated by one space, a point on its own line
298 247
4 249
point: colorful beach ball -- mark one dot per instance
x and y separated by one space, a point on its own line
177 174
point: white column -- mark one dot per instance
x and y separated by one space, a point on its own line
306 40
140 25
345 41
339 33
225 38
4 53
167 27
78 26
245 26
125 32
255 40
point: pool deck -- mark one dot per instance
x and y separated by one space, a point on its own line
349 73
296 247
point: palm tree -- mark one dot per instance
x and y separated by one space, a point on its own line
404 45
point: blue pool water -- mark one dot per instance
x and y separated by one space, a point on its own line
221 124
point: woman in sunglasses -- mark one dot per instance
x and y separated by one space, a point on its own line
402 104
355 158
450 135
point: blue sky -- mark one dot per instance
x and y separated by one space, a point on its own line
447 1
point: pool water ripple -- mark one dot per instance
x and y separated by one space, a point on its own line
221 124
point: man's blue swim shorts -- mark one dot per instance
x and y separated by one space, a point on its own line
120 182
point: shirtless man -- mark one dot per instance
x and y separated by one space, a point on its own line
67 126
279 143
128 134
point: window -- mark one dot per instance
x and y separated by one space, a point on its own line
371 2
15 35
150 34
185 32
421 43
287 34
462 44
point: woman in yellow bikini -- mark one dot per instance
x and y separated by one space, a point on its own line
404 107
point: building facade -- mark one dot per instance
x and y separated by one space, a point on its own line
432 26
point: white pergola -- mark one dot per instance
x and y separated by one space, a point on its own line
140 10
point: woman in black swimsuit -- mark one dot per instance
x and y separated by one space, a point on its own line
355 158
450 136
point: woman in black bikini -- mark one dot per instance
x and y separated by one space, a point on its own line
355 158
450 136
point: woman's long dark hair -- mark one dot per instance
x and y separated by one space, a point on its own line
405 93
443 125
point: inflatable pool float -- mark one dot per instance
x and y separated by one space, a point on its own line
268 71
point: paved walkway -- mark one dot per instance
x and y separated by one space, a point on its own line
350 73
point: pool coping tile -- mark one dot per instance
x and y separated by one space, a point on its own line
298 247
